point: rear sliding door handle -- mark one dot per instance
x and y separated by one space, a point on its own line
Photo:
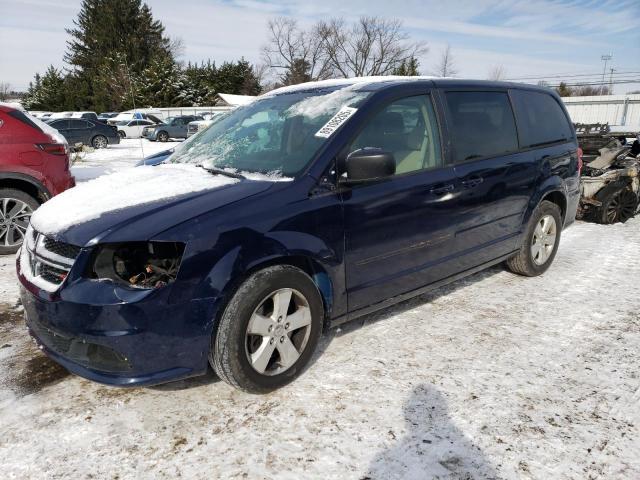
443 189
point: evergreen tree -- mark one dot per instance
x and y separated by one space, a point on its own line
161 84
48 91
113 29
564 90
408 68
298 72
237 78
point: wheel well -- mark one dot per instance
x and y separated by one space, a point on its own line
560 200
23 186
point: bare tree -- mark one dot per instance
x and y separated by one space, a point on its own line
5 89
289 47
371 46
497 72
446 67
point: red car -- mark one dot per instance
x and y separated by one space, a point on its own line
34 166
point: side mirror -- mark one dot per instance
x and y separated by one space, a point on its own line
369 164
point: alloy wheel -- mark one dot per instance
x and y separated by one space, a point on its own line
100 142
14 220
622 206
544 239
278 332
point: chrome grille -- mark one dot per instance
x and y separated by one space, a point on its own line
49 260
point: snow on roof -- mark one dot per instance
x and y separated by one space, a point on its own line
14 105
234 100
338 82
110 193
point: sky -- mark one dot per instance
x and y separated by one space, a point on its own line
528 38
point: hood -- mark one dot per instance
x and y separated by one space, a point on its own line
138 203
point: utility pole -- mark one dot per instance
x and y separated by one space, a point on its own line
611 70
605 59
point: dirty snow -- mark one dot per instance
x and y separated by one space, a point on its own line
495 376
109 193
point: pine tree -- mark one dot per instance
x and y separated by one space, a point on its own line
408 68
298 72
161 84
48 92
113 29
237 78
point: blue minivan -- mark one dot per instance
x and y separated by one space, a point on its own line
311 206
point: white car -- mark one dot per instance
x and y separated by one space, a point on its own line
132 128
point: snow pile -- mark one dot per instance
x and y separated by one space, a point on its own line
110 193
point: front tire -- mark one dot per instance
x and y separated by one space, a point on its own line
540 243
121 134
163 136
16 208
268 331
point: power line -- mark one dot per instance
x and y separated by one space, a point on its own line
575 75
587 84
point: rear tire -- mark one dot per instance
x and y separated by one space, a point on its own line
16 208
268 330
536 253
99 141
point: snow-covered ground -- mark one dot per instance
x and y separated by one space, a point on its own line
126 154
495 376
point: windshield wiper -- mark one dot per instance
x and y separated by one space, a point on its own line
220 171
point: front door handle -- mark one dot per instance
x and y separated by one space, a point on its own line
442 189
472 182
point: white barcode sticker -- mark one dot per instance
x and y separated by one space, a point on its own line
338 119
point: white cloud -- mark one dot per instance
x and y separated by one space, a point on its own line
526 36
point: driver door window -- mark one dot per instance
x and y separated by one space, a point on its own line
408 129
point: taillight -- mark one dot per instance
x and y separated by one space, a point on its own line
579 153
53 148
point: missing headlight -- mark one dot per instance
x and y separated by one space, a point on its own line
139 264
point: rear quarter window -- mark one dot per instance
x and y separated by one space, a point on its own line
541 120
482 125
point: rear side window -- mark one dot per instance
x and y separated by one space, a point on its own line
20 116
60 124
78 124
541 120
482 125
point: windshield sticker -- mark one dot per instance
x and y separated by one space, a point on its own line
338 119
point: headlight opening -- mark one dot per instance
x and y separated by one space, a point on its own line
138 264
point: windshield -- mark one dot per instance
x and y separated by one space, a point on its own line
123 122
276 134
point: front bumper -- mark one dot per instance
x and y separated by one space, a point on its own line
151 135
103 333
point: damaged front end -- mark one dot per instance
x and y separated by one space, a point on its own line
144 265
610 183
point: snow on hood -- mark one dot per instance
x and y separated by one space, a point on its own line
110 193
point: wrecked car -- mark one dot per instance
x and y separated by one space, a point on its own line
610 186
309 207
